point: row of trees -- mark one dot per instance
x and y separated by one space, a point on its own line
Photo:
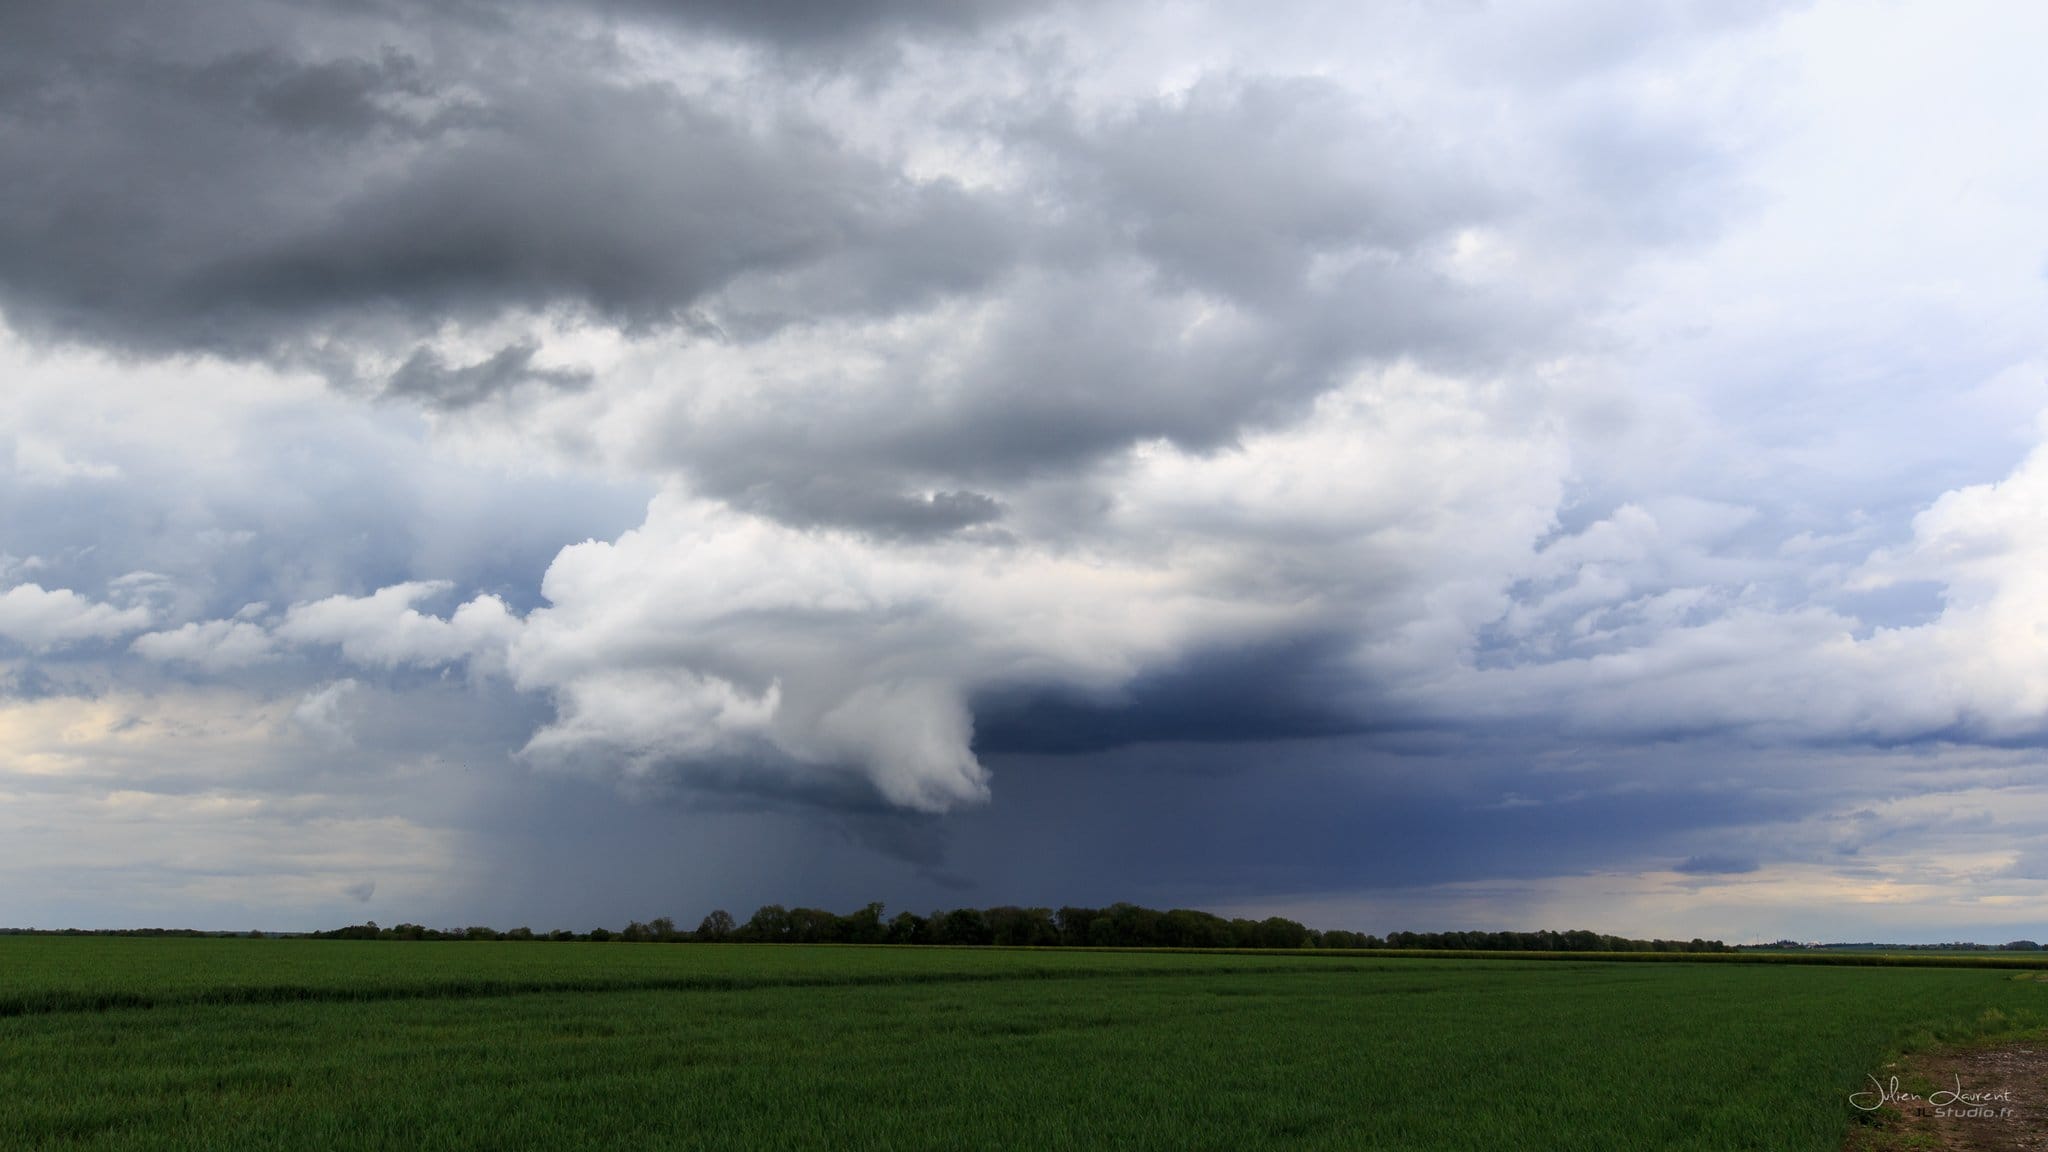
1868 946
1117 926
116 932
1578 940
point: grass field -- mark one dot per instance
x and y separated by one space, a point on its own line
301 1044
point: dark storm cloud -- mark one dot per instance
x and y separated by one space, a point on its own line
567 852
358 175
1182 269
635 219
1004 372
1714 865
1203 824
1278 690
353 183
432 381
822 23
329 188
1069 367
349 182
1193 825
829 499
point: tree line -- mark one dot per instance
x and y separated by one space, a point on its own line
191 932
1117 926
1870 946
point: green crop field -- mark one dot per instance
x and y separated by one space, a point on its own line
111 1043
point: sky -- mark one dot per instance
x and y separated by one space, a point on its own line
1405 466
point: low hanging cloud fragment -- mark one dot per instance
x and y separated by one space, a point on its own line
212 645
1716 866
41 619
385 630
812 25
322 712
430 380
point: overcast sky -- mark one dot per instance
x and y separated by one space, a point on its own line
1565 463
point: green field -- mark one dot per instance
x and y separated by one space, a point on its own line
110 1043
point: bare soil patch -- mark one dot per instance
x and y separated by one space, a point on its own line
1977 1099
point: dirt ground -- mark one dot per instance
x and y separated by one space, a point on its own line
1973 1099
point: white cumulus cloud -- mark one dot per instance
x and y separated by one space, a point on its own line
384 630
44 618
212 645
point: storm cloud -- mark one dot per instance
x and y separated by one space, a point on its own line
267 183
1458 464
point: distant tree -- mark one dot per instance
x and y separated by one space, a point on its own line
1341 939
664 929
1280 932
908 928
863 927
716 927
1187 928
961 926
812 926
1074 923
1124 925
1022 927
352 932
520 933
600 934
769 924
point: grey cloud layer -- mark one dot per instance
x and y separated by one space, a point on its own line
820 23
261 187
340 190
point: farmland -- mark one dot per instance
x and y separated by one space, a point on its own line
282 1043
